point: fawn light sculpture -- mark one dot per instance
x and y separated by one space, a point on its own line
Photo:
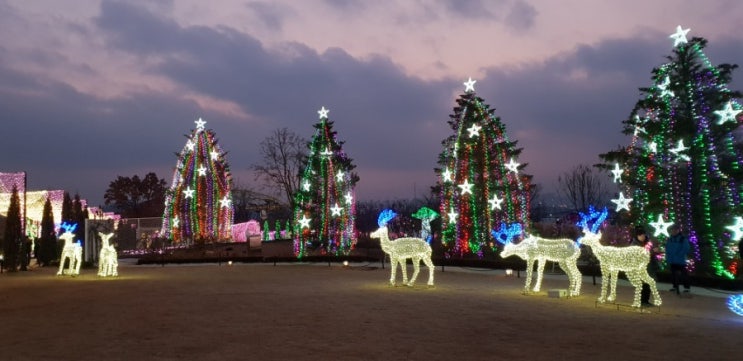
399 250
108 262
632 260
540 250
71 251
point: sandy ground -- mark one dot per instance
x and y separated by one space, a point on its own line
317 312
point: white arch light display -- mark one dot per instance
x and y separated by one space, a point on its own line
632 260
108 260
71 251
401 249
536 249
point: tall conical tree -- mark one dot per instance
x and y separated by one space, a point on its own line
481 183
325 206
198 205
685 162
13 234
48 242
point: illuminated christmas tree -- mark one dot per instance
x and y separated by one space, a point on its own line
480 180
325 205
684 162
198 205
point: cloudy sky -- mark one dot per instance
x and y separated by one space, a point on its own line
92 89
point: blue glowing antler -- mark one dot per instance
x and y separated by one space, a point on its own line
505 235
69 227
593 219
385 216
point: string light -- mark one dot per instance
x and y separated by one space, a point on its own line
72 252
108 260
402 249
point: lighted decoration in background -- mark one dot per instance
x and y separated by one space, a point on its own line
108 260
735 304
198 205
426 215
695 182
632 260
402 249
661 227
7 182
617 173
736 228
533 249
622 202
325 211
72 252
480 179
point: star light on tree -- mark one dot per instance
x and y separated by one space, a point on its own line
736 228
495 202
335 210
474 130
326 152
727 114
202 171
679 37
200 125
188 192
339 176
452 216
661 226
621 202
176 222
323 112
349 198
214 155
513 166
225 202
617 173
306 185
446 175
664 91
190 145
678 151
653 147
469 85
305 222
466 187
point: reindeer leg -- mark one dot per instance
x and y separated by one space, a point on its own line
416 269
540 272
61 265
393 266
429 263
529 267
613 293
404 267
653 288
636 281
605 275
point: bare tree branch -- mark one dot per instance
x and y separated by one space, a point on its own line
582 187
283 154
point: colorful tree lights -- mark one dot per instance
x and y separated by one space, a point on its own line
402 249
684 161
325 210
479 179
198 204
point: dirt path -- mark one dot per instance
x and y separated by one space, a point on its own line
316 312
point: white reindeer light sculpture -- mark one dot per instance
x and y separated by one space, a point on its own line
108 262
632 260
401 249
71 251
536 249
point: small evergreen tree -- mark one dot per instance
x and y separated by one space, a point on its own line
13 232
46 253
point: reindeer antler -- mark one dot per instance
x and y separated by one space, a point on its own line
385 216
69 227
505 235
593 219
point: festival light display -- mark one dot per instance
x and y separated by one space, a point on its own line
632 260
684 163
325 209
480 180
72 252
533 249
198 206
108 260
426 215
402 249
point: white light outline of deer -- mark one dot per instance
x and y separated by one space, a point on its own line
401 249
537 249
108 262
632 260
71 250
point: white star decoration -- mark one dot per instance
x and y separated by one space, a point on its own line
513 166
190 145
453 216
736 229
323 112
200 125
621 202
306 185
176 222
678 151
474 130
469 85
653 147
349 198
304 222
664 87
661 226
466 187
214 154
446 174
202 171
335 210
617 173
339 176
188 193
495 202
326 152
225 202
679 37
727 114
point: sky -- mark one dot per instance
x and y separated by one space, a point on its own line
91 90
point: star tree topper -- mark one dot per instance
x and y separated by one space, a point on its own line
679 37
323 112
200 125
469 85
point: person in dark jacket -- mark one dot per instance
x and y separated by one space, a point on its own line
677 248
641 239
